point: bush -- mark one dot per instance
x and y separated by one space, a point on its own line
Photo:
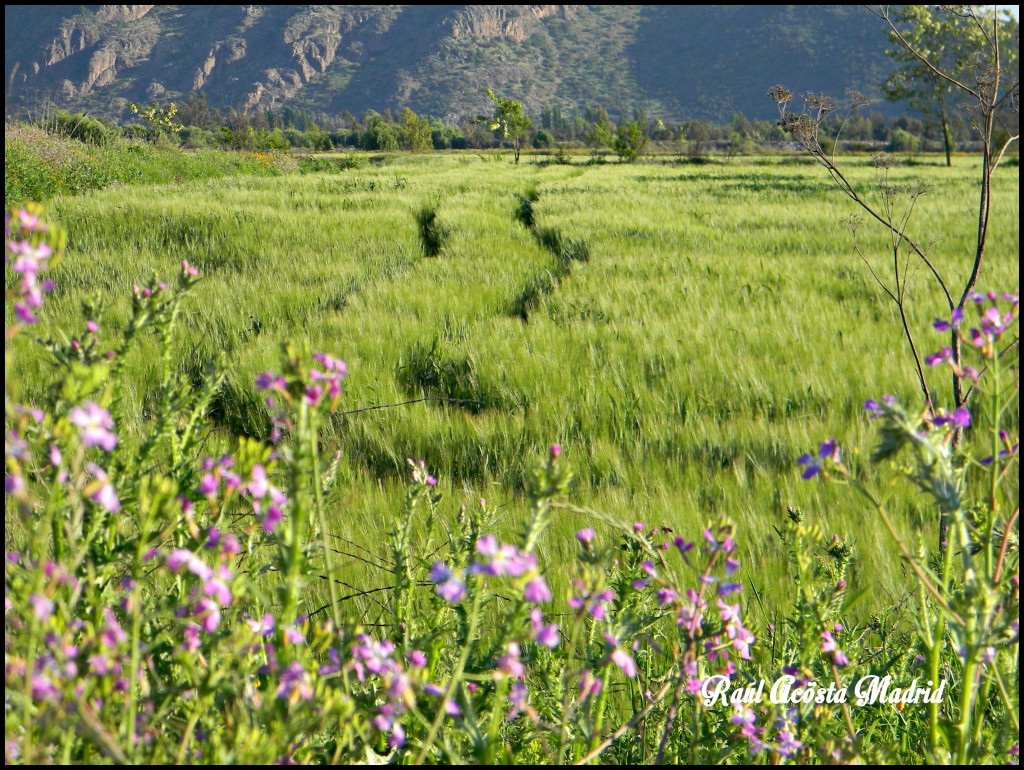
448 138
314 164
82 128
433 234
904 141
193 138
38 165
544 140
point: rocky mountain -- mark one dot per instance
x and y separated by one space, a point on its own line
675 62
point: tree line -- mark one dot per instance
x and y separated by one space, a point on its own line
197 124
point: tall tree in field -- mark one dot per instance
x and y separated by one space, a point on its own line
630 141
509 118
933 47
415 132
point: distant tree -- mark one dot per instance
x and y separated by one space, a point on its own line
508 119
600 134
158 119
933 47
415 132
259 121
544 140
317 139
698 133
378 134
904 141
274 140
630 141
347 120
741 125
657 130
448 138
196 112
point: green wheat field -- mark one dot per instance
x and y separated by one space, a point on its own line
683 331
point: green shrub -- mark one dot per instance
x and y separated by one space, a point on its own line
904 141
82 128
433 233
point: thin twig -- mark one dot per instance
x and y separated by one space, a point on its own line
414 401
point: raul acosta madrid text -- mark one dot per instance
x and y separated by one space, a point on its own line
867 690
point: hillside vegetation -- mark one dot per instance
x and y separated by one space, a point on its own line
675 62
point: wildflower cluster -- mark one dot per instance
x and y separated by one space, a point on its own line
970 603
995 313
30 250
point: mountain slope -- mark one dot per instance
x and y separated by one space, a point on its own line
676 62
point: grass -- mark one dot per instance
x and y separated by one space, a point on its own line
38 165
685 332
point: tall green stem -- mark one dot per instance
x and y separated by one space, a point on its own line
318 504
456 679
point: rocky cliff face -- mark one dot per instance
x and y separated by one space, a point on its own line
435 59
512 22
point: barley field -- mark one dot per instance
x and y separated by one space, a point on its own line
684 331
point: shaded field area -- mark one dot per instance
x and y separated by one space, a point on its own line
684 332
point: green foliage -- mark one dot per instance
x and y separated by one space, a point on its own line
159 120
630 141
448 138
441 371
544 140
600 136
416 135
509 121
524 212
904 141
38 165
949 42
379 135
317 164
433 233
82 128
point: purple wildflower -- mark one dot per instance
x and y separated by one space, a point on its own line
537 591
272 519
208 615
830 647
509 663
295 684
828 450
101 491
95 425
270 381
41 607
546 635
264 627
503 559
786 743
621 657
449 587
